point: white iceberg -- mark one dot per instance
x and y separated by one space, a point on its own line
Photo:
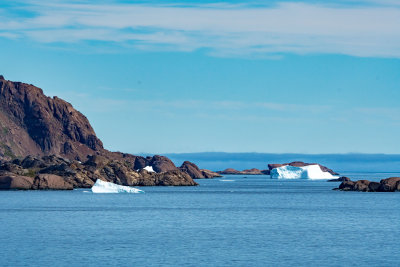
313 172
106 187
149 168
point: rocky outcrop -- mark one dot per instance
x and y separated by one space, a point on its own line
209 174
44 135
390 184
301 164
52 172
160 163
39 182
385 185
34 124
340 179
14 181
50 182
253 171
194 171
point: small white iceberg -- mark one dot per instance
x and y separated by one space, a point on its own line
106 187
149 168
313 172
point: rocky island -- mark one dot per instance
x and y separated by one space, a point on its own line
391 184
273 167
47 144
252 171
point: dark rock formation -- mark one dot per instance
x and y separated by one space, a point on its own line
385 185
194 171
40 182
50 182
253 171
51 172
209 174
390 184
340 179
34 124
301 164
161 163
13 181
44 135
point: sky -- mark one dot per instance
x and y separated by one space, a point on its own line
231 76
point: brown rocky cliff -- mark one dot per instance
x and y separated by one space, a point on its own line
196 173
47 135
34 124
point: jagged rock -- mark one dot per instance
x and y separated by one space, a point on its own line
191 169
31 162
34 124
194 171
97 161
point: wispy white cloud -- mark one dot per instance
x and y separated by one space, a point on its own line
223 29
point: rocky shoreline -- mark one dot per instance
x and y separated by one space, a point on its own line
56 173
391 184
44 140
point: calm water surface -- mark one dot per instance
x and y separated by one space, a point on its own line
231 221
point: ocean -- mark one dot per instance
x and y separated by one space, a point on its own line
229 221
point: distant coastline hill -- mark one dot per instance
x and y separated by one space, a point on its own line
351 162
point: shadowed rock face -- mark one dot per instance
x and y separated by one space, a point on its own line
301 164
385 185
34 124
194 171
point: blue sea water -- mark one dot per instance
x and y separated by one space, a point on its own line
229 221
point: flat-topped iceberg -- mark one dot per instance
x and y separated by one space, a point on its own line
106 187
307 172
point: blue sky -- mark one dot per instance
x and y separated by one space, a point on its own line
233 76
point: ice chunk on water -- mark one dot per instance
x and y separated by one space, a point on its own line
106 187
306 172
